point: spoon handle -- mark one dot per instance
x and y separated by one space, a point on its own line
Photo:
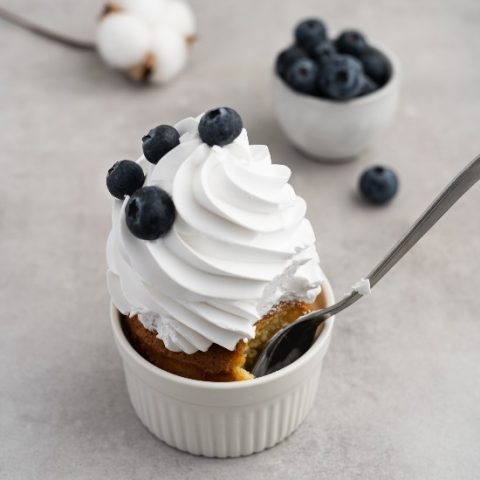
449 196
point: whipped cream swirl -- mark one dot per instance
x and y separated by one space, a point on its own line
240 244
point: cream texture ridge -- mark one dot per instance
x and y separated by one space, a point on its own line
240 244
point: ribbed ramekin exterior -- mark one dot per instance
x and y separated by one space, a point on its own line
222 419
217 431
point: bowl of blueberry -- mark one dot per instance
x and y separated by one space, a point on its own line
333 97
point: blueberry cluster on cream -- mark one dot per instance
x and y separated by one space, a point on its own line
207 234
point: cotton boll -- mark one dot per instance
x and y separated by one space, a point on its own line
122 40
151 11
146 39
180 16
170 51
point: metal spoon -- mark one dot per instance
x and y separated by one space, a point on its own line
295 339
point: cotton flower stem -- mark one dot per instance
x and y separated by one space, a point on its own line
44 32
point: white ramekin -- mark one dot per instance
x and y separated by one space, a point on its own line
332 130
227 419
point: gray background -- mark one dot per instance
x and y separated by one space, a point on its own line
400 394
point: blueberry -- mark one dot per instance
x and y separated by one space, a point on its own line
159 141
287 57
310 32
302 75
378 184
351 42
220 126
124 178
322 51
340 78
376 65
150 213
369 86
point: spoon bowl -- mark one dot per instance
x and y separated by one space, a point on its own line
290 343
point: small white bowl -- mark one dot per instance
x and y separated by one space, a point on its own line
227 419
336 130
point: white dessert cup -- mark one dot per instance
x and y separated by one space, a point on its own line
228 419
331 130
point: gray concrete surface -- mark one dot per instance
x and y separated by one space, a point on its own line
400 395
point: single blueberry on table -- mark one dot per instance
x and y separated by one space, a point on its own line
150 213
351 42
378 184
124 178
287 57
220 126
310 32
302 75
159 141
340 78
322 51
376 65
